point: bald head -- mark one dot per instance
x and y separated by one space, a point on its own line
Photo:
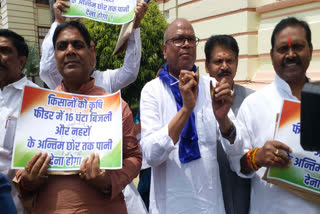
173 25
179 48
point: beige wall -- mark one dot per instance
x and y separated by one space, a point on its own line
24 17
251 22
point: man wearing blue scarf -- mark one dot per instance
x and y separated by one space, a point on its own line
180 126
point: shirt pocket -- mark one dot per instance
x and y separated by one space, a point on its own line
206 127
10 133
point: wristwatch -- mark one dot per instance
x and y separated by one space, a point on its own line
231 133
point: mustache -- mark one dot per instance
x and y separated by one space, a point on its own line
3 65
224 73
71 58
291 60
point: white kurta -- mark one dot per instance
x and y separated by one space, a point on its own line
10 102
179 188
257 116
110 80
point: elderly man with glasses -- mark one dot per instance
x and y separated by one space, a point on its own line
180 125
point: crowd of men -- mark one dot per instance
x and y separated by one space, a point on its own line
196 132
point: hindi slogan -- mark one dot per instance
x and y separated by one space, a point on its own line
304 171
109 11
68 127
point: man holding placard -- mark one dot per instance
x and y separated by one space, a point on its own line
93 190
110 80
291 54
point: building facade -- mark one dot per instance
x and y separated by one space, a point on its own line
251 23
29 18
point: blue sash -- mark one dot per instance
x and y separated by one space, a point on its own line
188 147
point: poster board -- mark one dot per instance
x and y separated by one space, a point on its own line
69 127
108 11
303 176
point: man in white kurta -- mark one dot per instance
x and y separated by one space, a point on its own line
12 82
177 187
291 53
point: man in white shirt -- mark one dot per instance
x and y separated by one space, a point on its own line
291 54
13 56
110 80
221 62
179 130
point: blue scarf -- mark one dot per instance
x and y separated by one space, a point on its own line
188 148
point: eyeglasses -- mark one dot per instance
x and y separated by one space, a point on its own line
179 41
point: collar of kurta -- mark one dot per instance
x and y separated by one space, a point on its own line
18 84
84 89
284 86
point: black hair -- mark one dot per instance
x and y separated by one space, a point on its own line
291 21
225 41
72 24
17 40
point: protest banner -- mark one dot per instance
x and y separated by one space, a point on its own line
109 11
69 127
303 176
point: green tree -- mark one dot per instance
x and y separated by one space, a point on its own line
152 29
32 65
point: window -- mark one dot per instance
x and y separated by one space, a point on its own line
42 2
167 14
42 32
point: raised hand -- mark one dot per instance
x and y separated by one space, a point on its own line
140 11
188 89
222 100
58 7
